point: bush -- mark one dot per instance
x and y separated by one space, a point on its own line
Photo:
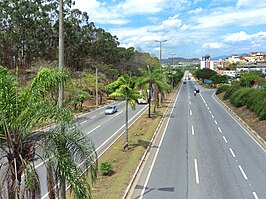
240 97
106 168
230 91
222 89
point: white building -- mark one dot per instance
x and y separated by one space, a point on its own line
206 62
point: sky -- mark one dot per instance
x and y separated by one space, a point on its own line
192 28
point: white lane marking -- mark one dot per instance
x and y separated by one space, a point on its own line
243 172
101 113
156 154
93 130
210 112
83 122
225 140
208 108
188 97
93 117
255 195
206 104
212 116
232 152
189 102
192 130
239 123
119 113
203 99
190 112
215 122
220 129
196 171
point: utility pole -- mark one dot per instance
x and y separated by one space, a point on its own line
61 87
96 94
61 51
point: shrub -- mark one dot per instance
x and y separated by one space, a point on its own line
106 168
222 89
240 97
230 91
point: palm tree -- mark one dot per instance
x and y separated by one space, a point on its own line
123 88
63 148
152 80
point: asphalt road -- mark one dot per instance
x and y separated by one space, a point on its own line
201 153
102 129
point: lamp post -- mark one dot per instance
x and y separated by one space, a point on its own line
172 80
160 41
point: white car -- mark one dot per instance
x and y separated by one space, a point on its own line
110 110
142 101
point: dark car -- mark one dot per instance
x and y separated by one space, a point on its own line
110 110
184 82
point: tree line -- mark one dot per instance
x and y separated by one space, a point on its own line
29 33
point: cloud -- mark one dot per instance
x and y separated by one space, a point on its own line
213 45
243 36
241 18
196 11
250 3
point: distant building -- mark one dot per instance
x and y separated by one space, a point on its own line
206 62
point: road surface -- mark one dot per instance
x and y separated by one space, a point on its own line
202 153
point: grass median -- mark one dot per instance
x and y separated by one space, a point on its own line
125 162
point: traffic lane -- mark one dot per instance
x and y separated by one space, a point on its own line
98 135
218 175
250 156
169 174
113 125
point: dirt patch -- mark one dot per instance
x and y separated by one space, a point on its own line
249 117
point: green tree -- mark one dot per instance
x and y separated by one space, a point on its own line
62 147
151 80
205 73
217 79
122 89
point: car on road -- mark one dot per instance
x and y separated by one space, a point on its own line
110 110
184 82
142 101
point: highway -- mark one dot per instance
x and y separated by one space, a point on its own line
201 152
102 129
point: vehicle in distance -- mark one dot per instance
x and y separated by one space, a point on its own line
142 101
184 82
110 110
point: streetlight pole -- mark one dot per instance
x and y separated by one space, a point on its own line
172 80
160 41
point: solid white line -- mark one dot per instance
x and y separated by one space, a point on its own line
255 195
243 173
156 154
232 152
196 171
203 98
215 122
190 112
225 140
212 116
220 129
192 130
